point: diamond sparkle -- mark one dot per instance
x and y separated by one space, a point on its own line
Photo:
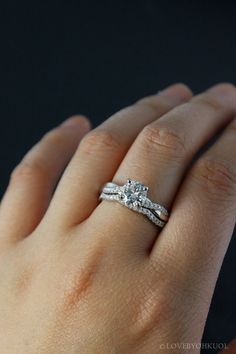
133 193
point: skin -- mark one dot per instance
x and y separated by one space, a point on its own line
82 277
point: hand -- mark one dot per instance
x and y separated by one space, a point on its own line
79 276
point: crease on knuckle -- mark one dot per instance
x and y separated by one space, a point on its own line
99 139
152 310
210 101
155 305
173 287
168 274
151 102
165 139
216 176
23 280
79 282
56 136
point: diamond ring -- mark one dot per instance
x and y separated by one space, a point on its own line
133 195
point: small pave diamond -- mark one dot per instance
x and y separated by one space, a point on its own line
133 195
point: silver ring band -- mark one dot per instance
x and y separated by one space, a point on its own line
133 195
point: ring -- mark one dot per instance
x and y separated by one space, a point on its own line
133 195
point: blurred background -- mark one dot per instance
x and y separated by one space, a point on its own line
59 58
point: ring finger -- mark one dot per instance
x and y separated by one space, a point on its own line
160 155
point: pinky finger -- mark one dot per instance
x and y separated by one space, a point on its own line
33 181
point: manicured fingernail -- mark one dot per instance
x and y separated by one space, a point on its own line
75 121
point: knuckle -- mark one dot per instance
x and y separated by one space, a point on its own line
152 310
209 101
155 305
152 102
165 139
20 270
80 280
99 139
80 276
216 176
23 280
158 105
76 288
55 136
27 169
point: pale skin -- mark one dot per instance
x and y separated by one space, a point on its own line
82 277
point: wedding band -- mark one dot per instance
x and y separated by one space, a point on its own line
133 195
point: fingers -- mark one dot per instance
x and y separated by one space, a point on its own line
192 246
101 152
34 179
162 152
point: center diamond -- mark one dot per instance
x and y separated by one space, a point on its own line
133 193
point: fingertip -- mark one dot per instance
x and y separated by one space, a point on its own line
223 88
178 89
225 92
77 120
184 88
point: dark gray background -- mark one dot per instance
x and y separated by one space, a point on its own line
94 57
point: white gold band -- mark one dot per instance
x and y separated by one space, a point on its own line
133 195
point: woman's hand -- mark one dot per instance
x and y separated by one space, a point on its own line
79 277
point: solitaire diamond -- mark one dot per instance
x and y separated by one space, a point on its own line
133 193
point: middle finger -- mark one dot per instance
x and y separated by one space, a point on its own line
101 152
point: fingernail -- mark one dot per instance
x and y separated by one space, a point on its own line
75 121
